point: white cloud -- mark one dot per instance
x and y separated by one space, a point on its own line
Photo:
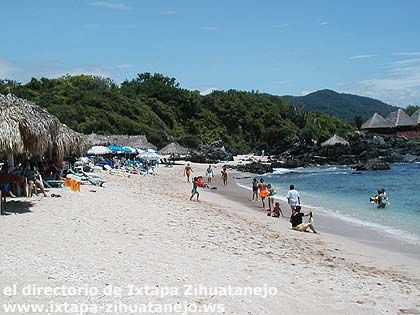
7 69
323 23
111 5
24 73
362 57
400 84
205 91
409 53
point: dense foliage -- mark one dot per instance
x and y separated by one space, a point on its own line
156 106
411 109
341 105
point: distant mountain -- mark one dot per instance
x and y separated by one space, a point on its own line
341 105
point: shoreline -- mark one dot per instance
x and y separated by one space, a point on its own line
144 231
334 230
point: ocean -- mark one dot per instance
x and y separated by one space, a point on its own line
340 192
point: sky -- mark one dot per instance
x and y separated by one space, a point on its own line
369 47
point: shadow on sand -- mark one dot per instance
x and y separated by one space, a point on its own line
17 207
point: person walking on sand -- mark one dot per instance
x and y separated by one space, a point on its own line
194 190
293 198
296 219
187 172
262 187
254 189
225 178
209 173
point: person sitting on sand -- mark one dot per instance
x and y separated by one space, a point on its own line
32 175
296 219
293 198
209 173
194 190
262 187
276 212
187 172
254 189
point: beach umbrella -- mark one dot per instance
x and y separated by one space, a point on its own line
28 128
148 156
129 150
115 149
99 150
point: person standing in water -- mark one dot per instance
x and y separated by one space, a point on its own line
209 173
187 172
254 189
194 190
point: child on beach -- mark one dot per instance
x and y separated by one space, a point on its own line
276 212
194 190
254 189
187 172
225 177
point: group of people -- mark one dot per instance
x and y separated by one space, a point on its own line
199 181
29 170
260 190
266 193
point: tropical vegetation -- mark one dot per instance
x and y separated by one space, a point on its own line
156 106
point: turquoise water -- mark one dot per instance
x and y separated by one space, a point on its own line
340 192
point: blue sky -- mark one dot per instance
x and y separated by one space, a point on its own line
366 47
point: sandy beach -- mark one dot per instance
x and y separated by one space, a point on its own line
143 232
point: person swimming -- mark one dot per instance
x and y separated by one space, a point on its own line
380 199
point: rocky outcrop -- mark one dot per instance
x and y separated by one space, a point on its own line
361 149
211 153
373 165
255 168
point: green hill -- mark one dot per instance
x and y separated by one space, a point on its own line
341 105
156 106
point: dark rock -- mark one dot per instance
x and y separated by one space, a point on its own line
373 165
255 168
211 153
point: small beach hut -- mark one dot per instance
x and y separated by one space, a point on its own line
377 122
416 117
400 118
335 140
174 148
28 128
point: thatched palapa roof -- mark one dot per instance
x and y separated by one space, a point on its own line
377 122
400 118
416 116
135 141
335 140
174 148
28 128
